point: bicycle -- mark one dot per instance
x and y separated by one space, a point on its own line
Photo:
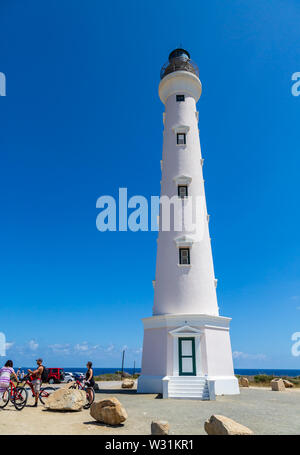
78 385
16 395
44 392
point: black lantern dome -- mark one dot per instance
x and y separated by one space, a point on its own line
179 60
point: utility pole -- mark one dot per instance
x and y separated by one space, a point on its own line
123 355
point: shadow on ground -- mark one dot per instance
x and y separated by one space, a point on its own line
100 424
118 391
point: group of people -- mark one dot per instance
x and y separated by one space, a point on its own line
20 374
8 371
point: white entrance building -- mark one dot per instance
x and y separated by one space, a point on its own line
186 349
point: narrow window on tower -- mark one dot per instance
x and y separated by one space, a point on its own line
181 139
179 97
182 191
184 256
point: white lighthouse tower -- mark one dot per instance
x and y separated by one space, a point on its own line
186 349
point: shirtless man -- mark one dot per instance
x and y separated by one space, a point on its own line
37 381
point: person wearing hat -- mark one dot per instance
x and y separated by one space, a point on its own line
37 379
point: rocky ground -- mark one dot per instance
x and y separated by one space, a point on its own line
260 409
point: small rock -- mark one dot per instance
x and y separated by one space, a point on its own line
244 382
160 427
277 385
109 411
66 400
127 384
288 384
221 425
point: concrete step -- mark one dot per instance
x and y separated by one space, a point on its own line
187 378
191 387
190 397
187 381
181 384
187 387
193 384
186 392
189 392
172 384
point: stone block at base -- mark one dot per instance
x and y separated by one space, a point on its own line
277 385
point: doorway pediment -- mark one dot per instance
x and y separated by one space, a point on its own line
185 330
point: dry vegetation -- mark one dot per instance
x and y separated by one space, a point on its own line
263 380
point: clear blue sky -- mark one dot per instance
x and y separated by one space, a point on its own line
82 118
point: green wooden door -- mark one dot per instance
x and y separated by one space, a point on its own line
187 360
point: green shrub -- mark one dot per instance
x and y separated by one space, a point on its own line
265 378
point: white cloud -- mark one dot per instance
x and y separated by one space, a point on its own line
9 345
244 355
110 348
33 345
81 347
60 348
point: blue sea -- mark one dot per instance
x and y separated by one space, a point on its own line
245 372
98 371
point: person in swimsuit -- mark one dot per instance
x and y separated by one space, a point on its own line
89 379
37 379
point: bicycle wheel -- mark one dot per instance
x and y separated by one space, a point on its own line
4 398
45 392
20 398
89 399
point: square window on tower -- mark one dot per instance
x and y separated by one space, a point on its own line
179 97
181 139
182 191
184 256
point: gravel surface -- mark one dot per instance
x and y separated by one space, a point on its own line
263 411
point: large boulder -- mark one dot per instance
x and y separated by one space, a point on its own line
244 382
221 425
277 385
66 400
160 427
127 384
109 411
288 384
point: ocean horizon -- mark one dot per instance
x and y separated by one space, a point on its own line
240 371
